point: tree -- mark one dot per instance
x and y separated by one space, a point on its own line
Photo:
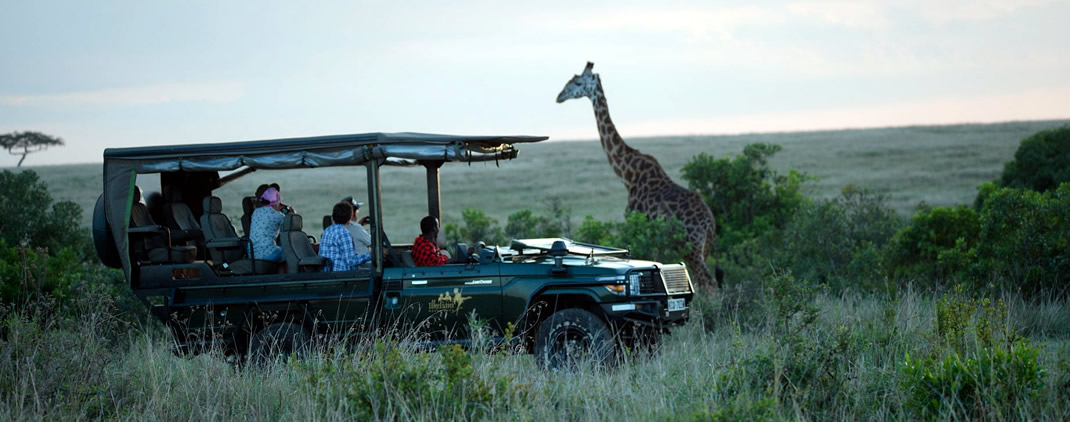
24 143
748 197
1041 162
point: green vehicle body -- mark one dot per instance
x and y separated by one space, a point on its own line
512 288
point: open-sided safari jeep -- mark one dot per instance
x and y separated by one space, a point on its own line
556 298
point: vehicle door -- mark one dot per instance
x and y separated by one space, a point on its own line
439 300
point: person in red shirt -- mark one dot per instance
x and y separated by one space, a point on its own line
425 250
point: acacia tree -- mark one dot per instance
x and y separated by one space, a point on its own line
24 143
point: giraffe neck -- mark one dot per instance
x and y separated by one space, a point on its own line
616 150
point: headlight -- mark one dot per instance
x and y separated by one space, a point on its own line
616 288
633 283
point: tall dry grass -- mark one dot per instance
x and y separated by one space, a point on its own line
718 367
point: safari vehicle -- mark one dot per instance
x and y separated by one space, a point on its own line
556 298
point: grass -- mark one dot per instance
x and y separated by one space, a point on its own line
728 363
938 165
710 369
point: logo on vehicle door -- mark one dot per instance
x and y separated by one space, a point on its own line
447 302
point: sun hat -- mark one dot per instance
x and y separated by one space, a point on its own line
271 195
351 201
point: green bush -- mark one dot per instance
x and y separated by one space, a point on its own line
1041 163
1019 240
747 197
1025 238
987 385
979 367
478 226
387 382
937 244
840 242
659 239
524 224
28 217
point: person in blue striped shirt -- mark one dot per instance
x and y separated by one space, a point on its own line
336 244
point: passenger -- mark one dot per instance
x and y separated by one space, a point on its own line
260 191
336 243
265 227
362 241
425 250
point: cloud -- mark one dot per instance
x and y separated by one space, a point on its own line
1043 104
217 92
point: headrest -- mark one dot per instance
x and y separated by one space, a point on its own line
248 204
292 223
212 205
171 194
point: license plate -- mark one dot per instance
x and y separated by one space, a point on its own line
676 305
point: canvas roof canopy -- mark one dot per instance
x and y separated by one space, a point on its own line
121 165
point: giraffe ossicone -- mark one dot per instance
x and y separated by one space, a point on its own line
650 190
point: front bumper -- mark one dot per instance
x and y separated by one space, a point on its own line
649 311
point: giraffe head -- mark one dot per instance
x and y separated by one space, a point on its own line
582 85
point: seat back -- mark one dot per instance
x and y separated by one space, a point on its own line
177 214
295 243
248 205
155 248
140 245
327 222
217 227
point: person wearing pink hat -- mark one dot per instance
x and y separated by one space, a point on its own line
266 225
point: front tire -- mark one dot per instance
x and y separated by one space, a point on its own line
572 336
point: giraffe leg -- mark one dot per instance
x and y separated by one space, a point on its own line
700 273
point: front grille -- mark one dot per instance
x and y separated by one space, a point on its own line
647 283
676 279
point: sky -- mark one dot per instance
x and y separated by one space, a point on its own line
131 73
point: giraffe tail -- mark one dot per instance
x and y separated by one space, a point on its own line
711 248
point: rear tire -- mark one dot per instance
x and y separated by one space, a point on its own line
278 340
570 337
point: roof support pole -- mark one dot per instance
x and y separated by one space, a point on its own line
434 195
375 196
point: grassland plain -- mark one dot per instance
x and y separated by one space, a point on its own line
938 165
721 366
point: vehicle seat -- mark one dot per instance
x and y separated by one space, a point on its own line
248 205
406 259
220 239
179 217
152 243
296 245
327 222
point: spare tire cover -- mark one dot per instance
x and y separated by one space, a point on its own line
102 238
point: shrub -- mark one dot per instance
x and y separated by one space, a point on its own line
1041 163
524 224
386 382
987 385
980 367
659 239
937 244
595 231
28 216
747 197
841 242
478 226
1018 240
1025 238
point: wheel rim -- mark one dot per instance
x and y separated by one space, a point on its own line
569 345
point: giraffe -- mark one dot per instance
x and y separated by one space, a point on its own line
650 190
